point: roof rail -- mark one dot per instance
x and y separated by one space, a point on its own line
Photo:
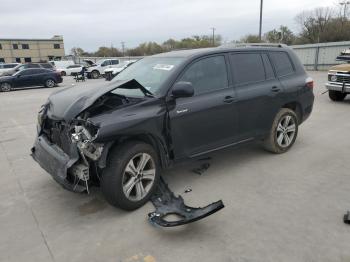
253 44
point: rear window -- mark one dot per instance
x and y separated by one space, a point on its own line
282 63
247 68
46 65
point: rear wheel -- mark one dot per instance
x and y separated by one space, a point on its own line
95 74
336 95
5 87
283 132
50 83
131 175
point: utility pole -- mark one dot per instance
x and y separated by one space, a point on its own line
260 24
213 29
123 47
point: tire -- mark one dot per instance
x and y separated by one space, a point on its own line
63 73
50 83
280 140
95 74
118 174
336 95
5 87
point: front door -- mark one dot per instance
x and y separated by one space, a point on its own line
207 120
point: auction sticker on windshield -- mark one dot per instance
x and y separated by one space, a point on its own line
163 67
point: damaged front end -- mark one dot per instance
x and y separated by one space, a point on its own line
67 151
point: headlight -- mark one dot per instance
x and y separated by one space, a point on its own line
334 78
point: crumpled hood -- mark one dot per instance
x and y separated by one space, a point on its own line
69 102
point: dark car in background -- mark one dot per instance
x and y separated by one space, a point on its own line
168 108
30 77
21 67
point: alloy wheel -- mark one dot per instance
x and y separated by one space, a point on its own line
5 87
286 131
50 83
139 175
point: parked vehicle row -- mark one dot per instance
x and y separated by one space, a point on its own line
168 108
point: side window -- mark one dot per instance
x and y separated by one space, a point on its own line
27 72
115 62
247 68
282 63
268 67
207 74
105 63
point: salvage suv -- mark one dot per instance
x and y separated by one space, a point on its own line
167 108
338 84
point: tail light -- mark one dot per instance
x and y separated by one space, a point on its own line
309 82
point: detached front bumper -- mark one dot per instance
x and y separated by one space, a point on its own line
56 162
341 87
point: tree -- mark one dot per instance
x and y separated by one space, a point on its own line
281 35
77 51
251 39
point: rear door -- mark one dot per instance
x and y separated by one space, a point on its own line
207 120
258 92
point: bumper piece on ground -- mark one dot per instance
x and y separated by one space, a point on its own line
56 162
166 203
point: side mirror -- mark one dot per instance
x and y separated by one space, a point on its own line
182 89
19 75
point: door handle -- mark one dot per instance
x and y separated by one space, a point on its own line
229 99
275 89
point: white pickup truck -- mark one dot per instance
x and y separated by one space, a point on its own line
101 65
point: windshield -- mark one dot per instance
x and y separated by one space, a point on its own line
150 72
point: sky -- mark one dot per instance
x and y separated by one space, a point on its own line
91 24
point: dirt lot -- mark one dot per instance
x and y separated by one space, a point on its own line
278 207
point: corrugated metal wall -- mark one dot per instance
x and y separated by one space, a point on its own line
320 56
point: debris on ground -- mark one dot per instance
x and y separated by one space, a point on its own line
188 190
347 218
201 169
166 203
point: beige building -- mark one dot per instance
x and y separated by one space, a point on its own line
31 50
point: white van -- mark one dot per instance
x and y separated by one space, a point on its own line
62 64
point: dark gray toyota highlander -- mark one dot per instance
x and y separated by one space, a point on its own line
167 108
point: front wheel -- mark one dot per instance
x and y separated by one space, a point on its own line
5 87
50 83
336 95
131 175
283 132
95 74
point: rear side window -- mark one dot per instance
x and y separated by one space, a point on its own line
268 67
207 74
115 62
46 66
247 68
282 63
